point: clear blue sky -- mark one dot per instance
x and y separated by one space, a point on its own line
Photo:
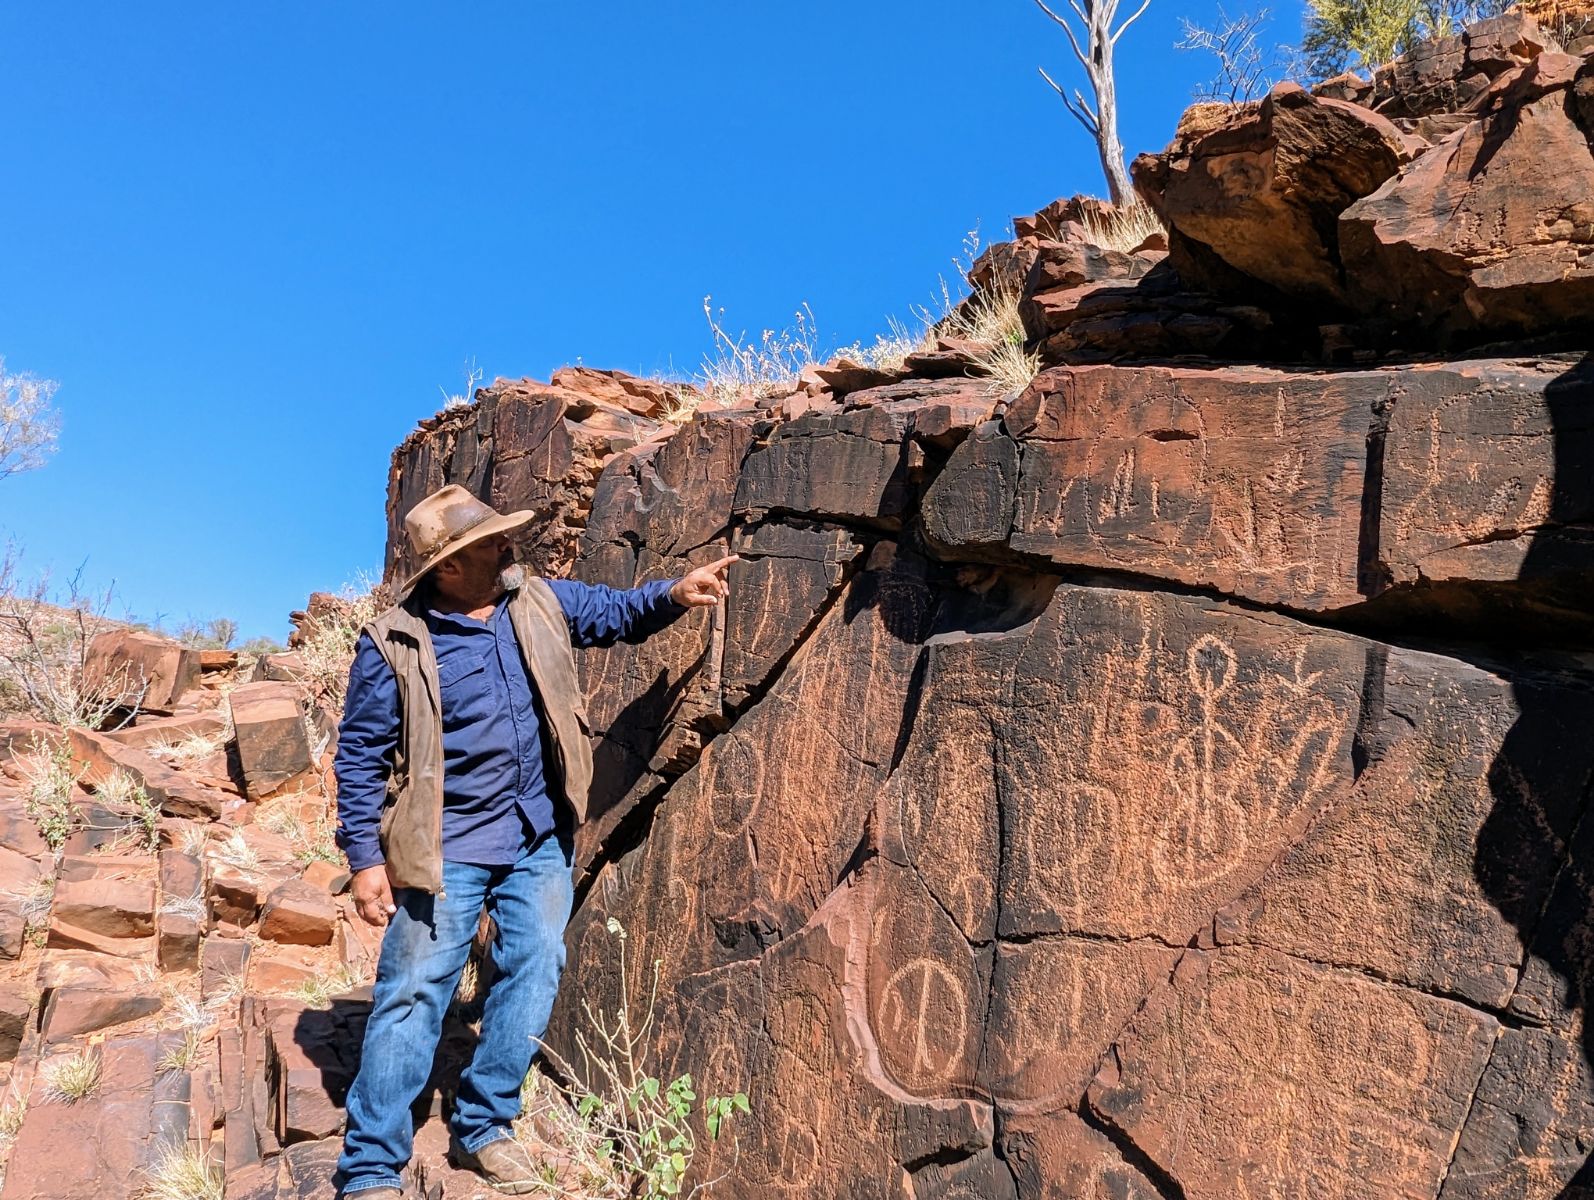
252 241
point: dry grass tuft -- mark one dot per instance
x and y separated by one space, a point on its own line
318 991
71 1077
312 842
183 1055
182 1173
328 649
740 369
193 747
235 852
1123 228
49 781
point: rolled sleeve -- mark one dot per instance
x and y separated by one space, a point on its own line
367 739
599 615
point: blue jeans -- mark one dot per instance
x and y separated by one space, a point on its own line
423 952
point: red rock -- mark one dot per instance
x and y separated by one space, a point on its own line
142 669
1260 186
1367 1082
270 734
298 913
644 397
168 731
115 908
218 660
101 1146
282 668
279 973
97 758
223 961
235 894
1478 237
327 877
70 1011
65 934
15 1009
19 876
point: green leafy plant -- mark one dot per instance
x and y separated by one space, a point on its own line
1365 34
50 779
626 1131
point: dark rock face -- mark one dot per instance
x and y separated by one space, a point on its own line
1020 825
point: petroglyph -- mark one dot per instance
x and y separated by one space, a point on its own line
1258 1075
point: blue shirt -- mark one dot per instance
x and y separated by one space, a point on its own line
495 795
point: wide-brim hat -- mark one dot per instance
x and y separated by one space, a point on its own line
445 523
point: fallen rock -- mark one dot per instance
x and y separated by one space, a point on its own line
269 730
113 907
140 670
15 1008
298 913
162 732
70 1011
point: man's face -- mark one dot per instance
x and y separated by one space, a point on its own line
473 572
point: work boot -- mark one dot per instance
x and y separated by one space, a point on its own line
377 1193
503 1163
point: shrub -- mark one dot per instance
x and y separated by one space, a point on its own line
50 781
739 369
121 791
44 644
627 1132
28 422
327 649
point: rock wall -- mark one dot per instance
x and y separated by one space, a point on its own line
1171 780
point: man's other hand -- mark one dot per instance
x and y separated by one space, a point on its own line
373 894
704 586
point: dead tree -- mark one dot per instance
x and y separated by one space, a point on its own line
1095 56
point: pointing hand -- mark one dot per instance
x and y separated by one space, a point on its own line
704 586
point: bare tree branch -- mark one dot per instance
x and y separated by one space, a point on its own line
1093 47
1135 16
1068 29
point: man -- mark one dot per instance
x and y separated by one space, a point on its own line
462 767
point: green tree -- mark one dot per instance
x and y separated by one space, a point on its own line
1342 35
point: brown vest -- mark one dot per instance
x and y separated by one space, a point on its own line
412 817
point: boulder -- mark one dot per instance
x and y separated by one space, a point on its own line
15 1008
268 726
1452 74
1261 186
97 757
1478 238
298 913
141 670
223 964
113 907
71 1011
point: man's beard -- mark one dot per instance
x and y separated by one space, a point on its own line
511 577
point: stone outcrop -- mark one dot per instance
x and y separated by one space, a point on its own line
1420 206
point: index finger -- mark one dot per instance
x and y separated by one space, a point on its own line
721 564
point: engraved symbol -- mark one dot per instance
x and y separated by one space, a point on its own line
924 1013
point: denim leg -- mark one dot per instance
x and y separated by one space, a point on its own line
423 952
530 906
